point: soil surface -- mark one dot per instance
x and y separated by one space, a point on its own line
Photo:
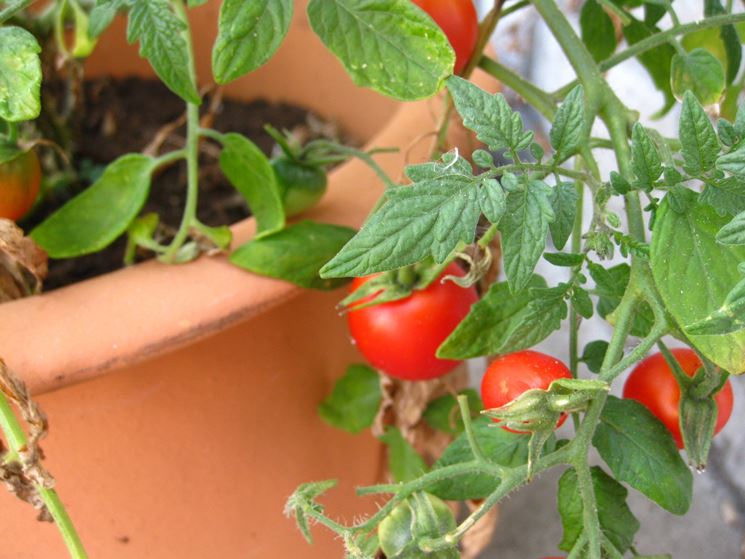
132 115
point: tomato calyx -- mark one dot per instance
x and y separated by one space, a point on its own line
393 285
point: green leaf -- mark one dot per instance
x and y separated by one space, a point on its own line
389 45
598 32
645 161
502 322
720 195
443 413
404 462
97 216
569 128
656 61
249 33
733 162
9 151
564 202
610 286
430 217
20 75
355 400
641 452
295 253
695 274
524 228
249 171
490 116
161 35
493 200
728 318
564 259
594 354
617 521
503 447
700 73
582 302
730 38
699 143
734 232
103 14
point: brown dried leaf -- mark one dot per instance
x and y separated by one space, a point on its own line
23 474
477 539
23 265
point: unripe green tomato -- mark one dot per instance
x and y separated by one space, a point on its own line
301 186
421 515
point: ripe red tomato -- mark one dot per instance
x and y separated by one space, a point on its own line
401 337
652 383
459 21
510 375
20 179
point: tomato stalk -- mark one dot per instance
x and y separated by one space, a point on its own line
17 442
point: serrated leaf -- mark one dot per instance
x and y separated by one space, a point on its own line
249 33
727 133
103 14
569 128
695 274
295 253
617 522
700 73
490 116
388 45
502 322
564 202
610 285
503 447
582 302
492 200
524 228
443 413
733 162
430 217
564 259
656 61
699 143
20 75
724 200
645 160
598 32
354 402
594 354
249 171
160 32
730 38
97 216
640 451
404 463
734 232
727 319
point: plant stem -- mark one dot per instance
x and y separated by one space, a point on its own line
591 524
465 413
9 11
16 440
12 129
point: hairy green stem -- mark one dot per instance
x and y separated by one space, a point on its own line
465 413
16 440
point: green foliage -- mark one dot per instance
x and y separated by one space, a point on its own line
96 217
160 33
569 129
295 253
699 143
249 33
617 521
354 402
20 75
598 32
443 413
698 72
564 203
404 463
390 46
640 451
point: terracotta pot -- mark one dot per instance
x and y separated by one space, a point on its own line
182 399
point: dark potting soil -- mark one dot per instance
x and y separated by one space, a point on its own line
127 116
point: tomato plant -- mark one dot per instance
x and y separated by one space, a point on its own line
653 384
20 180
509 376
301 186
401 337
459 21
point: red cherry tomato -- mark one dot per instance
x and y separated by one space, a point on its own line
20 179
652 383
510 375
459 22
401 337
